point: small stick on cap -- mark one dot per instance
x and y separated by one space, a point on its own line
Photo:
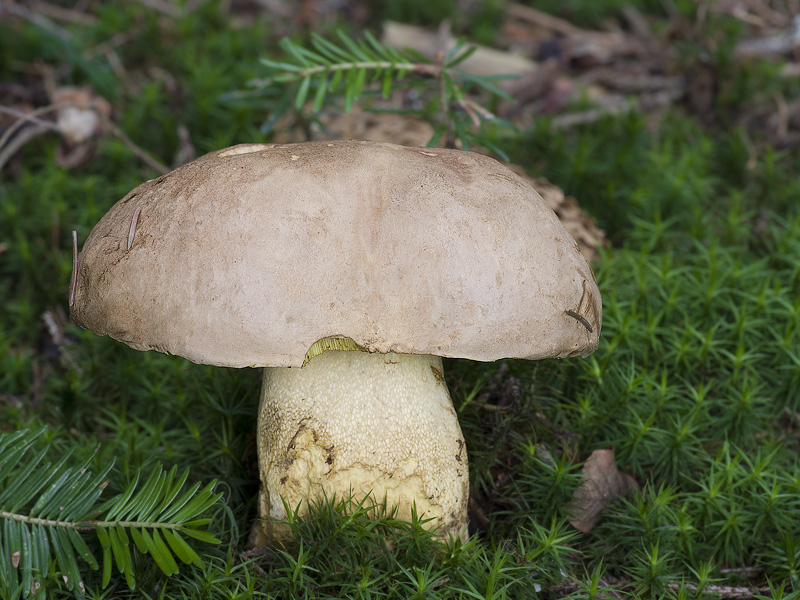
135 220
74 279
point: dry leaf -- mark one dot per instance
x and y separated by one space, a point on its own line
186 151
603 483
80 118
81 114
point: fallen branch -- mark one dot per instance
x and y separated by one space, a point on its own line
9 145
544 20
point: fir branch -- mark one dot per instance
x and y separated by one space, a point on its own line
44 507
292 74
349 68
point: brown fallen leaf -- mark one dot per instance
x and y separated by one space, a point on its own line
80 118
80 114
603 483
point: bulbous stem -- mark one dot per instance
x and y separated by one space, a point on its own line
360 423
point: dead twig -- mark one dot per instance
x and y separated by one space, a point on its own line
108 124
503 410
623 105
59 13
612 584
17 135
55 328
30 117
144 156
748 572
543 20
782 127
724 591
22 120
752 152
23 12
637 21
765 12
248 555
477 515
165 8
13 146
791 70
73 280
773 45
172 9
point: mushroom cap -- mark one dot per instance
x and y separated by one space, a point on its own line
248 255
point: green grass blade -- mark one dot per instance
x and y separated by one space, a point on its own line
181 548
359 83
379 48
338 54
153 499
120 503
160 553
14 447
26 558
336 80
107 564
40 552
201 502
173 491
179 504
302 92
84 503
315 58
121 551
10 572
352 46
141 499
456 56
386 86
138 539
65 557
322 90
82 548
45 502
22 486
291 48
203 536
484 82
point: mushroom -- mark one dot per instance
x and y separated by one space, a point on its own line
347 269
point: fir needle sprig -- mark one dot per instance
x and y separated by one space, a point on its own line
46 508
351 68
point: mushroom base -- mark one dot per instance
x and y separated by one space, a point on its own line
353 424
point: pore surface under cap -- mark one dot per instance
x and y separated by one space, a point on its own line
247 256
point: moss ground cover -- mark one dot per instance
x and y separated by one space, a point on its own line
696 384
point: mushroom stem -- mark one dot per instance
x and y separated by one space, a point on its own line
354 423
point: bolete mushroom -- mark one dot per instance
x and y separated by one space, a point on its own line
347 269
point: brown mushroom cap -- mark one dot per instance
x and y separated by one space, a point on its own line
248 255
